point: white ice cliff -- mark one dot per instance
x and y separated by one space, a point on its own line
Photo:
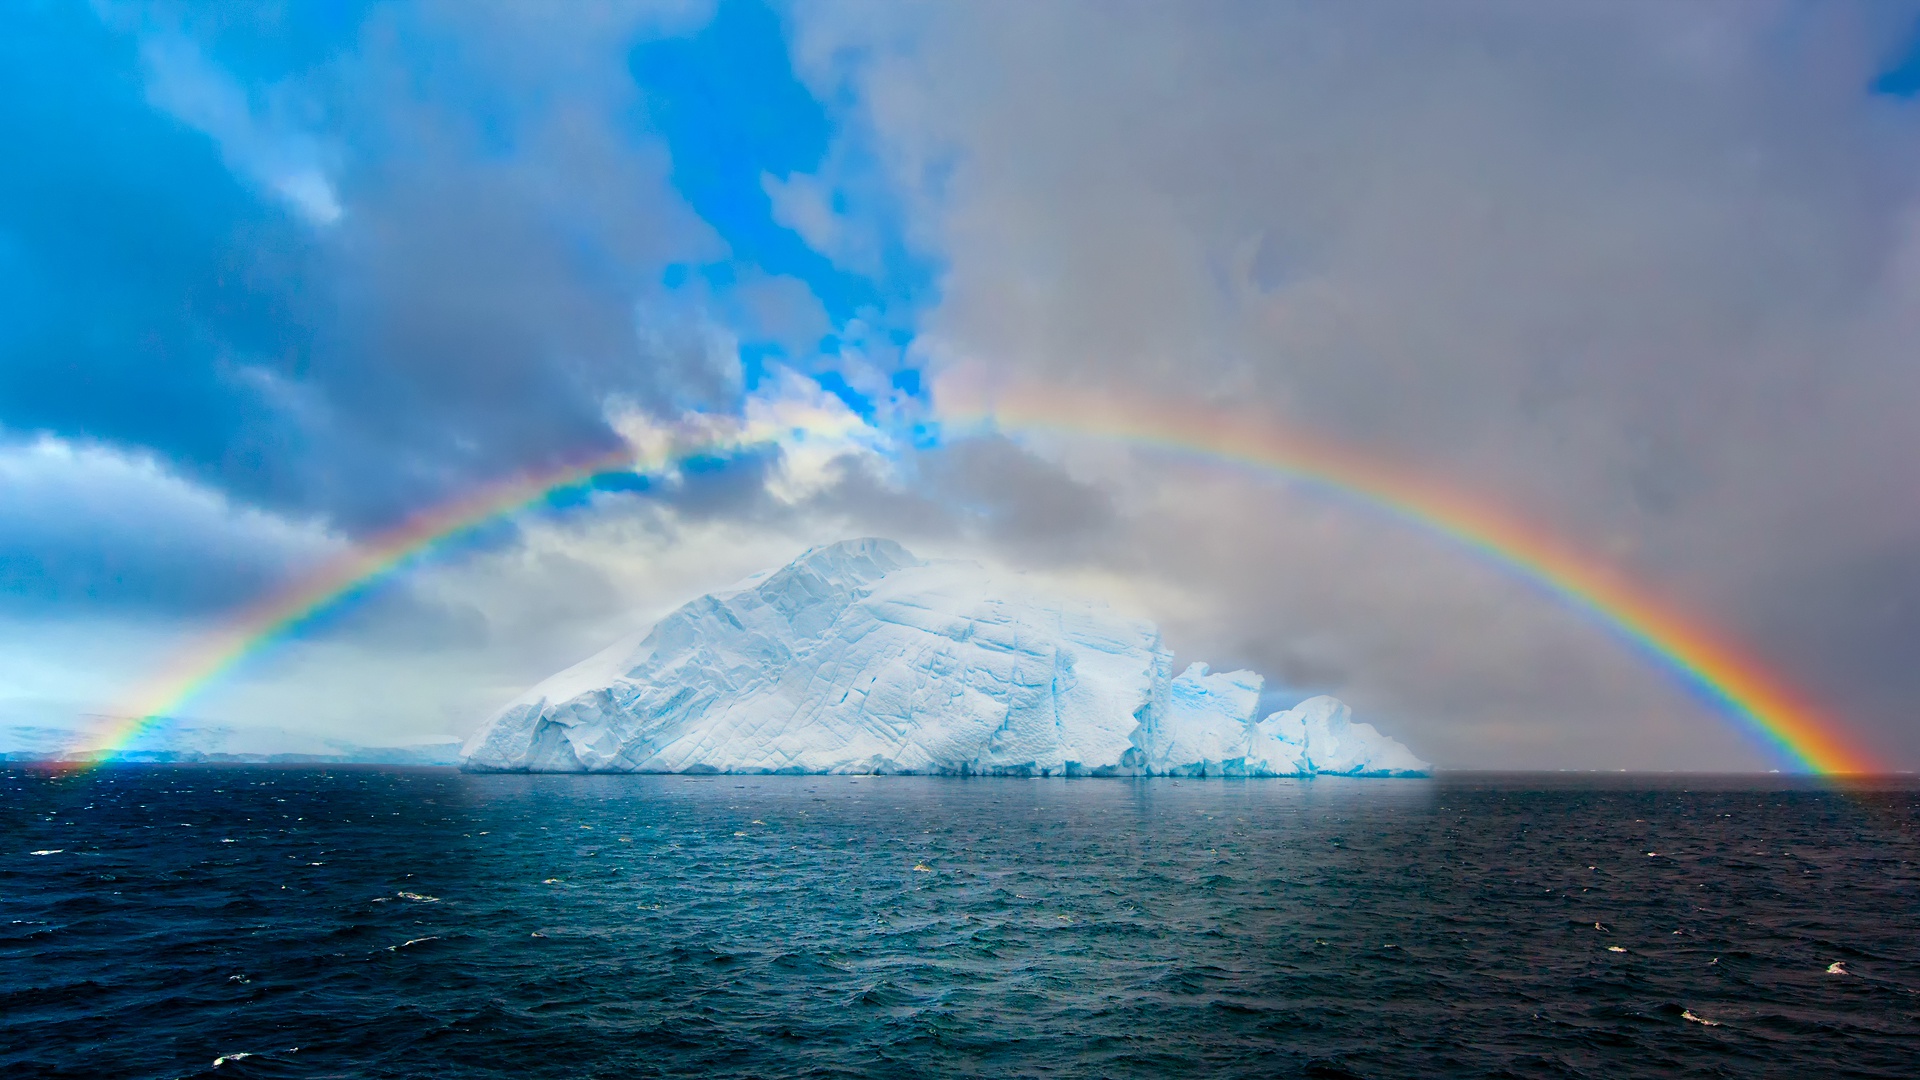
861 658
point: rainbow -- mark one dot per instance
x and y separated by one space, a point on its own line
279 615
1740 688
1737 685
652 454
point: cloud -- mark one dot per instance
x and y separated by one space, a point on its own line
1019 500
90 524
853 232
1635 274
564 589
804 204
1643 276
356 268
258 144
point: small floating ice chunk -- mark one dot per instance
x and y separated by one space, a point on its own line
1686 1014
1838 967
48 851
1615 948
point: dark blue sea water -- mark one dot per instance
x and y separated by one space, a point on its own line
421 923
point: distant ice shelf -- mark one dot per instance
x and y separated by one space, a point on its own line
861 658
173 742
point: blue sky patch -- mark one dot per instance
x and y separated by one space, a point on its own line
1902 79
732 112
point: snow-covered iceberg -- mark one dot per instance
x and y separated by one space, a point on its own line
860 658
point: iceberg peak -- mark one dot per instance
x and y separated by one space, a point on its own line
860 657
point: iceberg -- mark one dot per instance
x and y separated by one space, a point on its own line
859 657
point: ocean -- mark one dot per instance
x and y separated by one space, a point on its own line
386 922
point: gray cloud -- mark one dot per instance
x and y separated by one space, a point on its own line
1643 274
124 531
1019 500
451 259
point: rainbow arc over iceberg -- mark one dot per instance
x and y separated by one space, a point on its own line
1738 686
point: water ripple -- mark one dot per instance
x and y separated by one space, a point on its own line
421 923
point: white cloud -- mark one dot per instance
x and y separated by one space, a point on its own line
256 140
804 204
116 561
77 497
812 428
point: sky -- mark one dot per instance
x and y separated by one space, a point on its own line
275 278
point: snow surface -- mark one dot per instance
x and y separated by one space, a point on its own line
860 658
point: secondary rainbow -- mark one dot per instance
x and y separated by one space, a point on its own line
1761 705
